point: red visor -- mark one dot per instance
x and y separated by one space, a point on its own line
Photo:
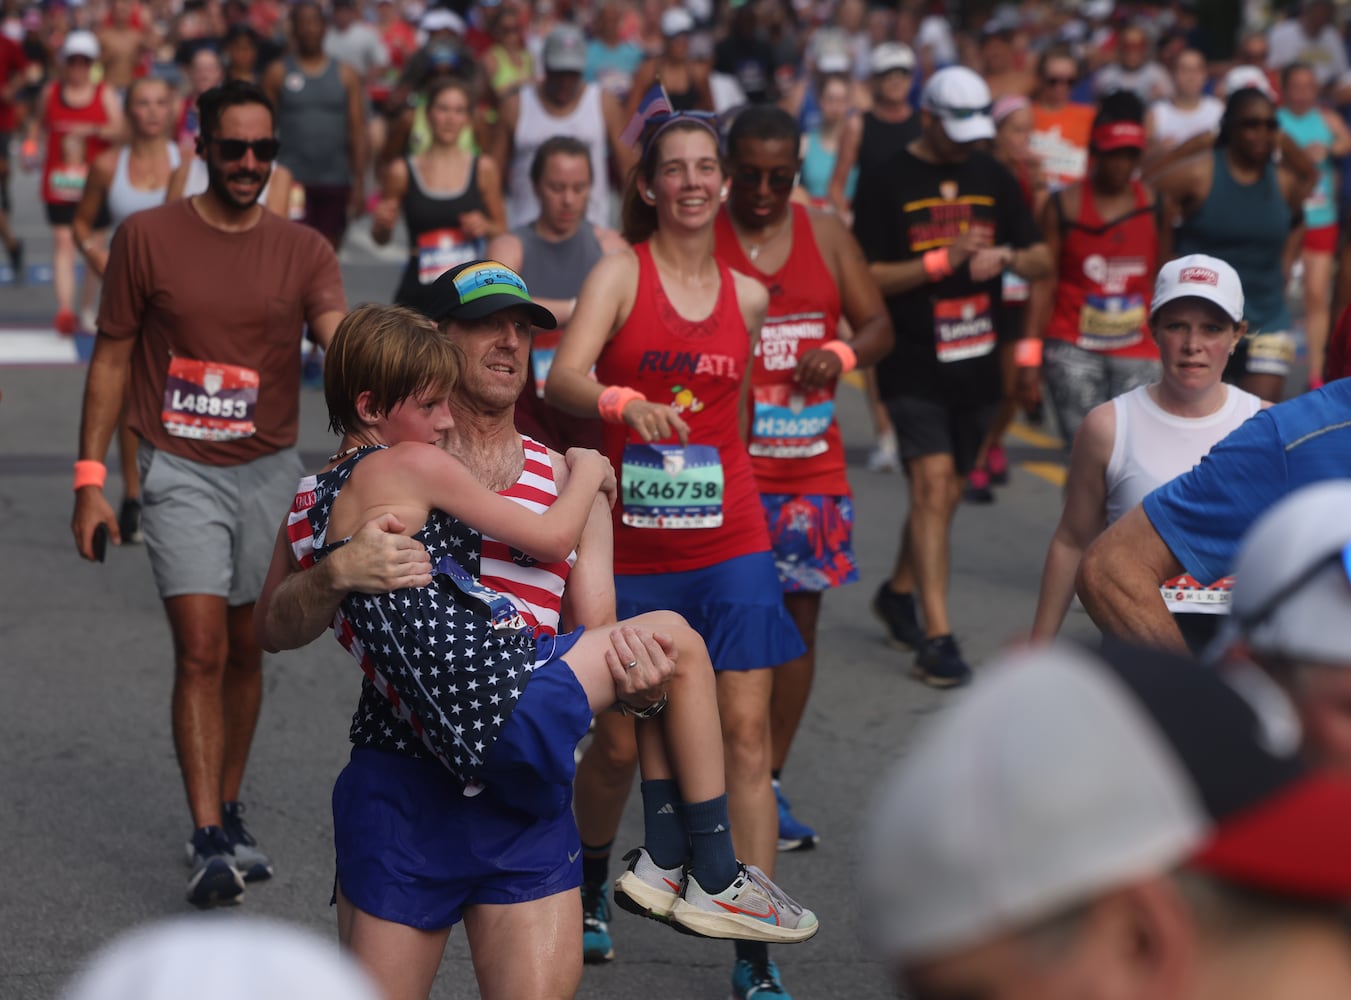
1292 844
1117 135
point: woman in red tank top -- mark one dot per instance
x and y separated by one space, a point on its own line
1105 236
80 119
670 331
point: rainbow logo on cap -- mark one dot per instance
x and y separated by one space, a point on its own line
489 278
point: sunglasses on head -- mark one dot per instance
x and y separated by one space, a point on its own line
264 150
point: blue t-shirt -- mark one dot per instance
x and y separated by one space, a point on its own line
1202 515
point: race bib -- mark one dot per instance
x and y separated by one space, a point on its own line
207 401
1183 594
963 328
1111 322
671 486
67 182
1015 290
543 347
504 615
441 249
790 422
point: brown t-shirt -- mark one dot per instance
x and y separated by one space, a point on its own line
218 317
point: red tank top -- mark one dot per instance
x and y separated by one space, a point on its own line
535 588
1105 279
795 440
69 157
697 367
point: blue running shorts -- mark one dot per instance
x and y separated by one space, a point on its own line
737 606
812 536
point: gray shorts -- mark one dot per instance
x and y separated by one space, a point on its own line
211 529
1078 380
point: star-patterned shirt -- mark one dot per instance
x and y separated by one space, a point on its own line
439 678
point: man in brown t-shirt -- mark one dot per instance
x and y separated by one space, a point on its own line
205 302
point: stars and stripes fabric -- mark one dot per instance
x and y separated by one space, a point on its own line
654 102
439 679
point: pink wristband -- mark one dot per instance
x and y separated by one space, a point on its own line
937 264
841 350
90 473
613 400
1028 352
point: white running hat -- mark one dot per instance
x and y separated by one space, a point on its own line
80 43
1065 774
1199 276
1292 593
960 99
889 56
676 21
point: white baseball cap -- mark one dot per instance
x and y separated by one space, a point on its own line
889 56
565 50
676 21
1247 78
960 99
1199 276
221 958
1292 593
441 19
80 43
833 61
1065 774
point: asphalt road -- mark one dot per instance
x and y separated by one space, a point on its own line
94 819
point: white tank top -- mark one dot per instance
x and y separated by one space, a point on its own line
124 199
1173 126
1153 446
586 122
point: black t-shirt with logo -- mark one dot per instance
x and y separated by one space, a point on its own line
946 331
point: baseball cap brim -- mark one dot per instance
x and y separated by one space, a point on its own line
1293 843
495 303
493 289
969 128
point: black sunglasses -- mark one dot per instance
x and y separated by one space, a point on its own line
1270 124
1058 81
779 179
264 150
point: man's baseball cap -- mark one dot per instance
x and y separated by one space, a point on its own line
1292 591
478 289
1065 774
676 21
565 50
441 19
1202 277
960 99
890 56
1247 78
80 43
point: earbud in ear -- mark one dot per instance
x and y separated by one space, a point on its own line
725 191
650 194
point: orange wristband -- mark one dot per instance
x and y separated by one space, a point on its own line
841 350
1028 352
613 400
90 473
937 264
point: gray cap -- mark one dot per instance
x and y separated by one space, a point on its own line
565 50
1292 594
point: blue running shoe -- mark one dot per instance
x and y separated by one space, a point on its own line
250 860
793 834
596 944
756 979
214 881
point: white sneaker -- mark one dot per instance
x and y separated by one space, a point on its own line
648 889
752 908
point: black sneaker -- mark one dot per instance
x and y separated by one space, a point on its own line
214 880
940 664
252 863
897 613
129 522
16 261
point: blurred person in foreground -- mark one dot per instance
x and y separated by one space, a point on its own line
1001 865
1291 611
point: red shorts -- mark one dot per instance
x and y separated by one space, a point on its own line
1321 240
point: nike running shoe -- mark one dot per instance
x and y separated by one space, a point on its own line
997 464
794 835
752 908
940 664
252 862
751 980
648 889
596 944
978 487
897 613
214 880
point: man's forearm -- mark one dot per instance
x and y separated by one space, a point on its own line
301 608
1123 600
104 391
